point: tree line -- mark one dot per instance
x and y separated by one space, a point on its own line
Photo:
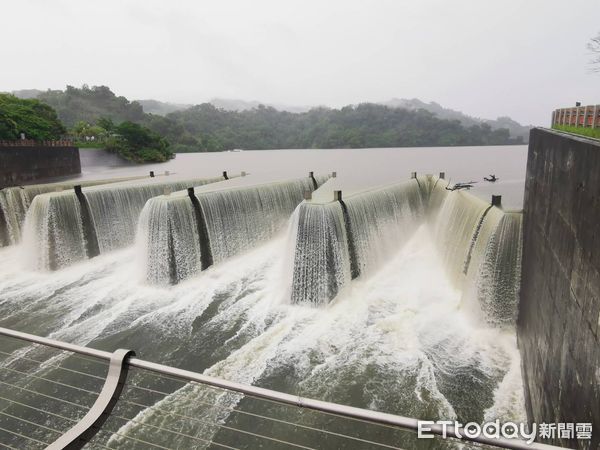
96 114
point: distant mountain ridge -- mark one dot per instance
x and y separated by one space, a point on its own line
515 128
172 119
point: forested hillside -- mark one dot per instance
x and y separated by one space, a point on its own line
362 126
515 128
206 127
90 104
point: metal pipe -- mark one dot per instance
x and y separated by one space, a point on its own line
101 354
351 412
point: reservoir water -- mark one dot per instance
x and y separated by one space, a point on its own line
402 338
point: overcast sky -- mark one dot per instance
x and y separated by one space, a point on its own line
520 58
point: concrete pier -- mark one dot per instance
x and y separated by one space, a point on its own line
496 201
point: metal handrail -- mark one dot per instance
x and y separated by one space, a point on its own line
350 412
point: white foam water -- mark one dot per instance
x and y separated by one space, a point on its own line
397 341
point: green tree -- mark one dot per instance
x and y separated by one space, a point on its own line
106 123
37 120
138 143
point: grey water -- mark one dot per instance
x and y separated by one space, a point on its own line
400 339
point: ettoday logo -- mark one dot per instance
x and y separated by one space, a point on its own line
506 430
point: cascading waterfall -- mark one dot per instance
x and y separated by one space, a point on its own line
53 233
15 201
180 236
4 230
321 258
380 217
238 220
480 246
341 240
496 280
455 231
168 239
109 215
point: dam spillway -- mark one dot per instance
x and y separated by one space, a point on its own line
336 241
341 237
403 352
64 227
185 232
15 201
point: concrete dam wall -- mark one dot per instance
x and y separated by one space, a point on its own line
26 164
559 311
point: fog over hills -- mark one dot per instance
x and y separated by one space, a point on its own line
515 128
161 108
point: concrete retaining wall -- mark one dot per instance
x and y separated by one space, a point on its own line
24 164
558 325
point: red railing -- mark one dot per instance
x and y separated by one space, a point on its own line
32 143
577 116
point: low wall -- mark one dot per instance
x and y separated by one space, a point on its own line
26 164
558 324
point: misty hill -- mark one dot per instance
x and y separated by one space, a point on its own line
125 110
88 104
161 108
359 126
206 127
515 128
244 105
26 93
164 108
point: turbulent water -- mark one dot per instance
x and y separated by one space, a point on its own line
398 341
424 283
